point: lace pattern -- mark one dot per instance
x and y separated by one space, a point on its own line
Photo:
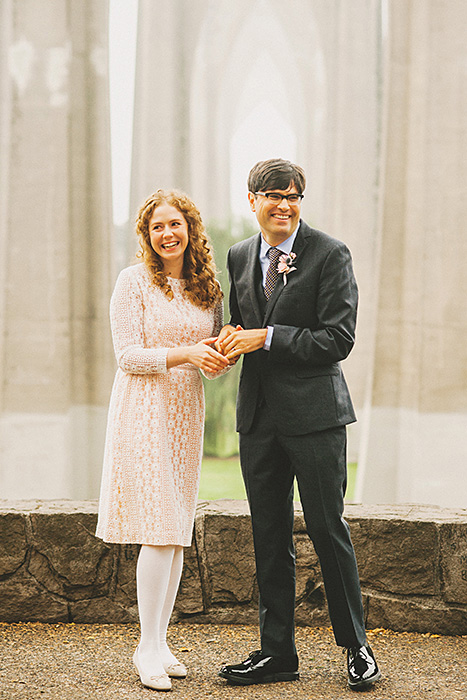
155 423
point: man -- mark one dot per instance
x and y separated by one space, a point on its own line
293 304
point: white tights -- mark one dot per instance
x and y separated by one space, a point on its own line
158 574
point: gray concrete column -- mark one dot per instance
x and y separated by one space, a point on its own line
415 446
167 38
340 141
56 360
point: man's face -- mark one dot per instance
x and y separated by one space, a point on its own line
277 220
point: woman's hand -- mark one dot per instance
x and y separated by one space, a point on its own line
206 357
201 355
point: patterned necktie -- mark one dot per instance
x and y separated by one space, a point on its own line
272 274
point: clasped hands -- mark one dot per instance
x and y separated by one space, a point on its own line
235 341
215 354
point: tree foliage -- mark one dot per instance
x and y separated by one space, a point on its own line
220 437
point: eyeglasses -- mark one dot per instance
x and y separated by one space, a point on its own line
277 198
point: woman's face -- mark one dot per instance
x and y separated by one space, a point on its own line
168 232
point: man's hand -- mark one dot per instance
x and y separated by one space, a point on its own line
225 332
238 341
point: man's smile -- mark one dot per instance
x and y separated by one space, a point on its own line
277 219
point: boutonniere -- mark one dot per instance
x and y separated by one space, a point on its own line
285 265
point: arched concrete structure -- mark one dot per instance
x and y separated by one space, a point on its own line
195 61
55 234
328 58
375 107
377 104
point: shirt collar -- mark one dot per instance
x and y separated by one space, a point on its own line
285 247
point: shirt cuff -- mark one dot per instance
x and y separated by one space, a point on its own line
268 341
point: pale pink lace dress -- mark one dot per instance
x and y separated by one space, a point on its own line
155 425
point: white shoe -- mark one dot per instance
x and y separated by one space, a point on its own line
161 682
176 670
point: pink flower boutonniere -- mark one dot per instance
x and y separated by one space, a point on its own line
285 264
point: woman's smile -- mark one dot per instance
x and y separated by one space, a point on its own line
168 231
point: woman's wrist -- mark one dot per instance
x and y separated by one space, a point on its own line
178 356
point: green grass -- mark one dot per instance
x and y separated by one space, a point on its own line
222 478
351 479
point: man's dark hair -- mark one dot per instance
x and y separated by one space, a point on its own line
276 174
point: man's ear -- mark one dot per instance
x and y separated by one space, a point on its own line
251 199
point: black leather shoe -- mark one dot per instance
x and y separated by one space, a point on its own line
362 667
259 668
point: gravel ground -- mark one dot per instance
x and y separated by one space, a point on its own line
84 662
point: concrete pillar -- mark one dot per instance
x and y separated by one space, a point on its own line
339 145
56 360
167 36
415 446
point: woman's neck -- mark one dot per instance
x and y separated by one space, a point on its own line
174 271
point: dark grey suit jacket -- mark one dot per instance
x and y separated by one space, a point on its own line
314 318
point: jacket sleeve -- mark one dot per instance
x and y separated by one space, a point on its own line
235 315
127 324
336 308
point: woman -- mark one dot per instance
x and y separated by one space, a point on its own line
165 316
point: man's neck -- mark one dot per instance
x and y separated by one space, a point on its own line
274 241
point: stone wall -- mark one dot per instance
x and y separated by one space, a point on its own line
412 561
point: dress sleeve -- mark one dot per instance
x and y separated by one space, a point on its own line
127 323
218 319
217 325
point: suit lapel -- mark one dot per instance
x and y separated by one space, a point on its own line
301 241
252 276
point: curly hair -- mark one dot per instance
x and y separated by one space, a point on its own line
202 288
